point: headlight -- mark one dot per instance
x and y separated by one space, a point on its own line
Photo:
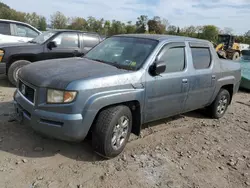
1 55
59 96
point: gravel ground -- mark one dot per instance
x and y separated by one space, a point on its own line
186 151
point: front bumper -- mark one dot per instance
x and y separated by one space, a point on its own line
69 127
2 68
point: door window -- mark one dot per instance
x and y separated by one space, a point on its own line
201 58
4 28
174 58
25 31
67 40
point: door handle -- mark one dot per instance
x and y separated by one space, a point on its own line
213 77
184 81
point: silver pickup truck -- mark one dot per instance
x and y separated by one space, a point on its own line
122 83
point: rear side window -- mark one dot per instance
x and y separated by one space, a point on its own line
90 40
174 58
201 58
4 28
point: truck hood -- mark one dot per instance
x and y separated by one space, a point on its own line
17 44
58 73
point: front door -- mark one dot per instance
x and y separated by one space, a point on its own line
201 79
67 46
167 92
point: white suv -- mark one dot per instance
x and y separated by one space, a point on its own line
14 31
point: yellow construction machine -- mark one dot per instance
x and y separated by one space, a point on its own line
227 47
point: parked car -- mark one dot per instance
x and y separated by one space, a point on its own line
122 83
49 45
14 31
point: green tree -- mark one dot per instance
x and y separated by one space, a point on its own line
156 25
172 30
210 32
117 27
106 28
141 24
189 31
42 24
59 20
7 13
32 19
199 30
178 30
130 28
78 24
2 5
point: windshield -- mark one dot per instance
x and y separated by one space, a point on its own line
124 52
223 39
43 37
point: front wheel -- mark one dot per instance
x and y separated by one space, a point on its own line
14 70
218 108
111 131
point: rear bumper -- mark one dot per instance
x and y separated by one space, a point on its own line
69 127
2 68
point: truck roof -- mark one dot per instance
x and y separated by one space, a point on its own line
19 22
163 37
71 30
13 21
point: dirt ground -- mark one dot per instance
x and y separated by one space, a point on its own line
187 151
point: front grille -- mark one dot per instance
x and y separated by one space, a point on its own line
27 92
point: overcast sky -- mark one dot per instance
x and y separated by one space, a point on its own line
222 13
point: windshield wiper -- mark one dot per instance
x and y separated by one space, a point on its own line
114 64
98 60
101 61
31 41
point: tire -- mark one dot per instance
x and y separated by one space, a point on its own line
218 108
104 139
236 56
14 69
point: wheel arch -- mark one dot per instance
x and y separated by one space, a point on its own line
13 58
134 106
230 89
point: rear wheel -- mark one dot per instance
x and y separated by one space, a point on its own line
111 131
218 108
14 70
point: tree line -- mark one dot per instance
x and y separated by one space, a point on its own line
155 25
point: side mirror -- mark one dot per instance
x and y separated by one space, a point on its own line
51 44
157 68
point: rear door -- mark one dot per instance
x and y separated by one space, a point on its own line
68 45
201 78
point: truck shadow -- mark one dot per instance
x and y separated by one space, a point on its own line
4 82
22 141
